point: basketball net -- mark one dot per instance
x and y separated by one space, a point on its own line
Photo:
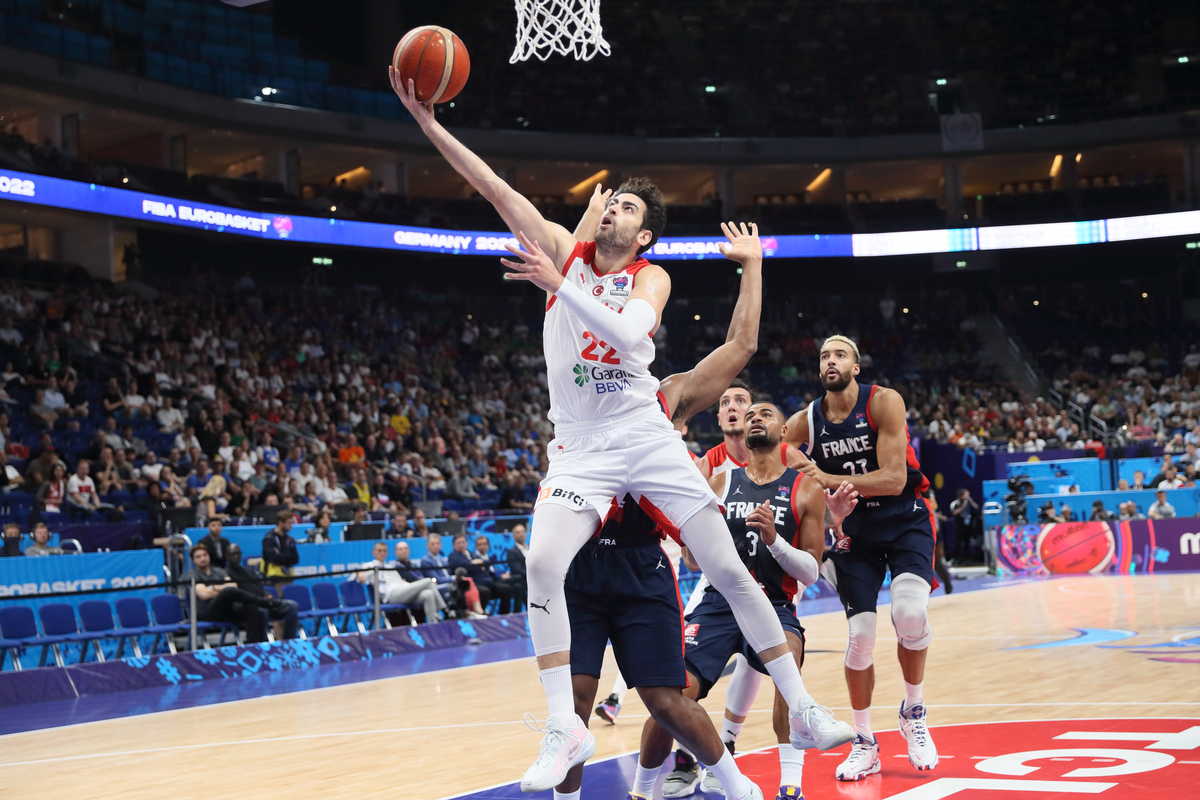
569 27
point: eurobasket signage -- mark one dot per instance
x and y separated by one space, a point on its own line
126 204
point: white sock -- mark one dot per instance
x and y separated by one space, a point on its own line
573 795
862 722
730 730
791 766
912 694
620 688
786 675
560 698
730 776
643 780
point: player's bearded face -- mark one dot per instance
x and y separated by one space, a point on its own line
836 373
617 234
763 429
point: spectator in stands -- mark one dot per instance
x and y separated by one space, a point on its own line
40 467
307 503
41 539
513 496
398 583
219 599
185 441
200 477
436 563
151 469
358 489
473 567
1130 511
319 533
1066 513
212 500
477 468
351 454
496 578
420 526
1160 508
1100 513
52 494
82 497
1170 480
40 414
10 545
76 401
516 566
460 486
169 418
279 552
217 545
1139 480
360 515
267 453
10 479
399 528
9 335
113 400
284 613
106 472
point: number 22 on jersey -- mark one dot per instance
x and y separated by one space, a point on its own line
609 356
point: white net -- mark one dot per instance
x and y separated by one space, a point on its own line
569 27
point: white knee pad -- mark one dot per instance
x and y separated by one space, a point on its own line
862 640
910 611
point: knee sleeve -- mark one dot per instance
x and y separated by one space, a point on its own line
862 640
559 533
910 611
743 687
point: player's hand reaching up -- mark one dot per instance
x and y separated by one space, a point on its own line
599 200
840 503
535 266
743 245
762 519
422 112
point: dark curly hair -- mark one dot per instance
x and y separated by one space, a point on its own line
654 219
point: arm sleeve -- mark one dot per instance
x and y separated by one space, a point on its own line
795 562
621 331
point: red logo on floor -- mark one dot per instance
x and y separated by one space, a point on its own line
1118 759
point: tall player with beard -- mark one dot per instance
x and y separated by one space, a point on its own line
776 518
859 432
604 302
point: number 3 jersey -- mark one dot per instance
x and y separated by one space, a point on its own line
588 379
741 496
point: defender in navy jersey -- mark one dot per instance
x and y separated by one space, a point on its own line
859 432
776 517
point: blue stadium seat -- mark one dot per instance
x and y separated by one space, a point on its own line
354 602
97 619
385 607
135 622
327 603
58 626
18 630
300 593
168 615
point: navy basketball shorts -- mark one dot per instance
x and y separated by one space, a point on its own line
901 541
712 637
626 594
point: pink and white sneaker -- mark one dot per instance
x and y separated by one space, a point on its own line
563 746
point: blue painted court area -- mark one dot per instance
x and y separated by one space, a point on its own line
190 695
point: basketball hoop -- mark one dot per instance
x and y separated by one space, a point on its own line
569 27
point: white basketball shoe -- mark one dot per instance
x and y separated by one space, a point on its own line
563 746
922 753
863 760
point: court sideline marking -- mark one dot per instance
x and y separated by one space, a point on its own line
342 734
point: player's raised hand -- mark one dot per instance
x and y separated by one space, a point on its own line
535 266
422 112
600 199
743 245
841 502
762 519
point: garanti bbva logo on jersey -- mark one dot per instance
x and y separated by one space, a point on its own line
603 380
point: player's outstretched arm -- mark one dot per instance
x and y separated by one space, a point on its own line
585 231
518 213
887 409
690 392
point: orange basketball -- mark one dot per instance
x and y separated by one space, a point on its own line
1076 547
436 60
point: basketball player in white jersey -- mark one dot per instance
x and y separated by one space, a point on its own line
604 303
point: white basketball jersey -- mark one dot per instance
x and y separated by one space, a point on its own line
588 379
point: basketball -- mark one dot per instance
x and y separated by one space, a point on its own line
436 60
1076 547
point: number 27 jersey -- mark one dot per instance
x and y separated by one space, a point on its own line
588 379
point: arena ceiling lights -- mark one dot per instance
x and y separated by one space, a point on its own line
125 204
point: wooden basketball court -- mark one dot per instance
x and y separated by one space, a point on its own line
456 731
